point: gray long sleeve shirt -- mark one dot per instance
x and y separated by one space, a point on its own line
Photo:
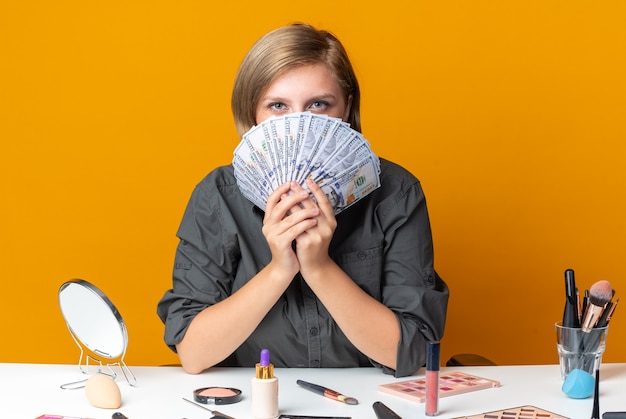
383 242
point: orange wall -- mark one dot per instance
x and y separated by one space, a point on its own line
510 112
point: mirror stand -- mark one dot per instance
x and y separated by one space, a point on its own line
97 329
89 363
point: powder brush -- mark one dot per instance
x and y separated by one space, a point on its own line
600 294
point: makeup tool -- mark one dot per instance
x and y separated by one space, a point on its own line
578 384
614 415
216 414
600 293
604 320
217 395
102 391
57 417
432 379
383 412
605 314
570 313
579 312
312 417
521 412
583 306
264 389
118 415
326 392
595 412
450 384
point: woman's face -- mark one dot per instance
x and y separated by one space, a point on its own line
310 87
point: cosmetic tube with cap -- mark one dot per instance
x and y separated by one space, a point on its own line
432 379
264 389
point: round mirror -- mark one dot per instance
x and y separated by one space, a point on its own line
92 319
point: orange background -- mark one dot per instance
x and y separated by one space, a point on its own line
510 112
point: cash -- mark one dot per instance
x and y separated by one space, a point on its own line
300 145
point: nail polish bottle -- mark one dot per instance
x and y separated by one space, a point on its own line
264 389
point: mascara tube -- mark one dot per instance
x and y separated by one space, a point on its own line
264 389
432 378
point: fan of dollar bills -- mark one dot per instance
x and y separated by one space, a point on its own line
298 145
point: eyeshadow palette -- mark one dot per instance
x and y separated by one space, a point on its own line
449 384
522 412
56 417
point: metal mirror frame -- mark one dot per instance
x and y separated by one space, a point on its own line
82 331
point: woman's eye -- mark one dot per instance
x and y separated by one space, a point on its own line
277 106
319 105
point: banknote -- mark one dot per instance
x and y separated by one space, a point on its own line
319 128
300 145
296 125
355 183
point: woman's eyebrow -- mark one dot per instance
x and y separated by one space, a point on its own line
284 99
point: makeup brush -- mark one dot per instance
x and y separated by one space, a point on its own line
600 293
583 306
605 318
595 412
602 321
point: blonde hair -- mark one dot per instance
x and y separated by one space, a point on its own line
281 50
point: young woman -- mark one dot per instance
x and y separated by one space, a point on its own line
317 290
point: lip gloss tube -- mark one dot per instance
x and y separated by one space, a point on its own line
432 378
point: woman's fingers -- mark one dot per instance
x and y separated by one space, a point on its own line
322 200
290 210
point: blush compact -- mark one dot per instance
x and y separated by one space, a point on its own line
217 395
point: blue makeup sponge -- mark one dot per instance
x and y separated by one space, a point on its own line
579 384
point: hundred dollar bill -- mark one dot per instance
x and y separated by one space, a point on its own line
255 147
350 186
251 182
335 137
352 150
268 144
275 131
299 145
296 126
315 136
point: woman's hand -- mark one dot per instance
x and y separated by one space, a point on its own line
371 326
289 213
312 244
